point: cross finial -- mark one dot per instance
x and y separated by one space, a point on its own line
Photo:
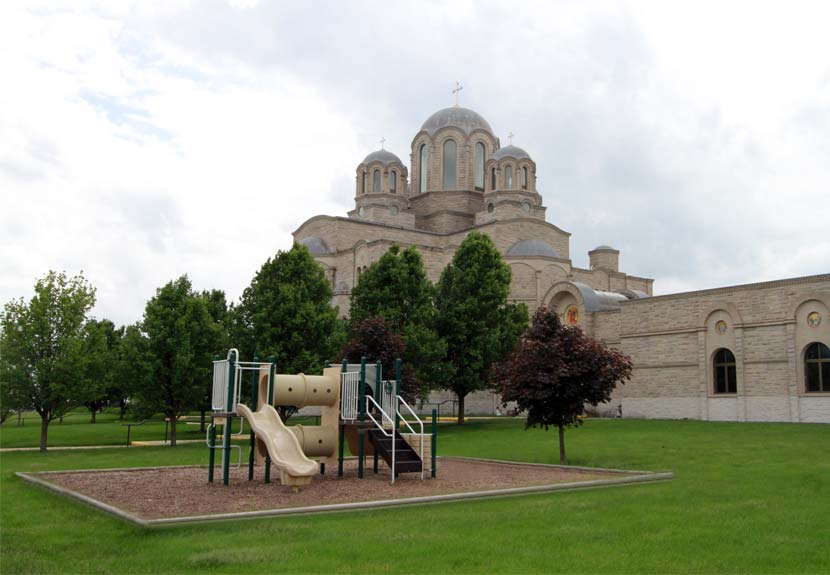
458 88
510 138
382 141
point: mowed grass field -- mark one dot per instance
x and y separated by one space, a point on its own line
745 498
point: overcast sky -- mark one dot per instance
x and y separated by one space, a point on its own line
141 141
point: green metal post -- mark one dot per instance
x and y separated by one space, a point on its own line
398 372
211 436
212 442
434 439
344 367
271 375
254 401
226 432
361 415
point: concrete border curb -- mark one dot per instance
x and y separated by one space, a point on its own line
630 478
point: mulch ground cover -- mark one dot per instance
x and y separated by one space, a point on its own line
169 492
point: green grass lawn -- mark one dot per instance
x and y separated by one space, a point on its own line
745 498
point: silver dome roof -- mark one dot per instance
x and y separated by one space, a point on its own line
316 246
383 156
511 151
532 248
603 247
463 118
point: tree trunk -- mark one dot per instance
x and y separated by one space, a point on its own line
122 408
562 458
461 408
172 431
202 422
92 419
44 430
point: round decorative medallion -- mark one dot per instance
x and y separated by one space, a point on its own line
813 319
526 207
721 326
572 315
394 210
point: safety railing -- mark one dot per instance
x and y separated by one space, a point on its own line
349 395
381 426
402 401
388 389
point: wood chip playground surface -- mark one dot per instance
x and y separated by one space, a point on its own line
165 495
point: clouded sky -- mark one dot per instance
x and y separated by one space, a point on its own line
140 141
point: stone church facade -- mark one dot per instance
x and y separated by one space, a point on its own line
744 353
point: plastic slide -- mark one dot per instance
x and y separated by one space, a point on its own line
283 447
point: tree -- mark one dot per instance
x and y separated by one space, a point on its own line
474 317
42 359
102 342
180 338
287 312
375 339
397 289
555 371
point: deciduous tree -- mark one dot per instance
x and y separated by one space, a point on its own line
474 317
180 338
397 289
42 355
555 371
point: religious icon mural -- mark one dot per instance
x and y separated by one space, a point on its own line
814 319
572 315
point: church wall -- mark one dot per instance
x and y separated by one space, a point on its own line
606 327
672 341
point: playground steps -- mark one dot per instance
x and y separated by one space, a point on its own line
407 459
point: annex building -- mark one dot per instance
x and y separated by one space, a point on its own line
756 352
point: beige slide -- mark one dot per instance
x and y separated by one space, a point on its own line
283 447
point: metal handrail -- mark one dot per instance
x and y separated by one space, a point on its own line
391 434
238 448
401 400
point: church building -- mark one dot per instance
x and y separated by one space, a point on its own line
756 352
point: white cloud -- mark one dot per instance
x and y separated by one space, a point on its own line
140 141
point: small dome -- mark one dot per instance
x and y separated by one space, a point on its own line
532 248
383 156
512 152
456 117
316 246
603 247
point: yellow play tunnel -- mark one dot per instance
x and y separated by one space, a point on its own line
301 390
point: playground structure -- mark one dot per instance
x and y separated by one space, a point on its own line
356 406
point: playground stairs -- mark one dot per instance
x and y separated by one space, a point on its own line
407 459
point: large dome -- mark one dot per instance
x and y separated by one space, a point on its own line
456 117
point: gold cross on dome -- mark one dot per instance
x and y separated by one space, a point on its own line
510 138
458 88
382 141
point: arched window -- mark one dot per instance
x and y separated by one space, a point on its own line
493 179
422 168
393 182
479 167
817 368
376 181
725 374
508 177
524 178
362 182
449 165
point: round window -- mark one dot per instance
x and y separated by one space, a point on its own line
490 208
394 210
526 207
